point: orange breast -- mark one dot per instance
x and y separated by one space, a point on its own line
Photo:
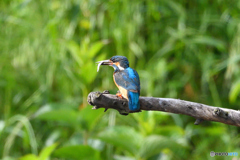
122 90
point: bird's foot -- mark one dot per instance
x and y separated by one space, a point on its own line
119 95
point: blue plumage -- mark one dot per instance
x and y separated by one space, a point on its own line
133 102
126 79
129 80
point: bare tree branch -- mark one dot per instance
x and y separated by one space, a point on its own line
199 111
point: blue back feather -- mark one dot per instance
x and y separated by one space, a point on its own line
129 80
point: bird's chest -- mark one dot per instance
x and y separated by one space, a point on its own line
122 90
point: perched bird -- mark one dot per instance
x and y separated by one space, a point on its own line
126 79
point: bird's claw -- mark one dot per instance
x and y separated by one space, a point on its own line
119 95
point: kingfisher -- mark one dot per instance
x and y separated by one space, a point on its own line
126 79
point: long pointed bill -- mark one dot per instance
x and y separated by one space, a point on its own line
104 62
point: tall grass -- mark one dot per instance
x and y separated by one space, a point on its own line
181 49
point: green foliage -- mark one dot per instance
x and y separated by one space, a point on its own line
126 138
44 154
77 152
181 49
136 145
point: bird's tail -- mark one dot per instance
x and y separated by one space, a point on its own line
133 103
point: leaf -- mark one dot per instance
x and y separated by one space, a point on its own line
215 130
234 92
54 106
208 41
121 136
136 49
177 119
95 48
154 144
169 130
77 152
63 115
75 51
89 117
177 7
85 24
46 152
29 157
88 72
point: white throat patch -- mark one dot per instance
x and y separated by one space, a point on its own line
121 68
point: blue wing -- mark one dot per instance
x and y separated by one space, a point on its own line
129 80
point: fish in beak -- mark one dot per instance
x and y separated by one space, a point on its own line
104 62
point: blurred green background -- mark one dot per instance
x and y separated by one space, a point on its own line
181 49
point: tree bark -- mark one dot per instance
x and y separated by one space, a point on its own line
197 110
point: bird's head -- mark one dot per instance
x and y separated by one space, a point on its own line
117 62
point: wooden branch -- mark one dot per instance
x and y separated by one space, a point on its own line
199 111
